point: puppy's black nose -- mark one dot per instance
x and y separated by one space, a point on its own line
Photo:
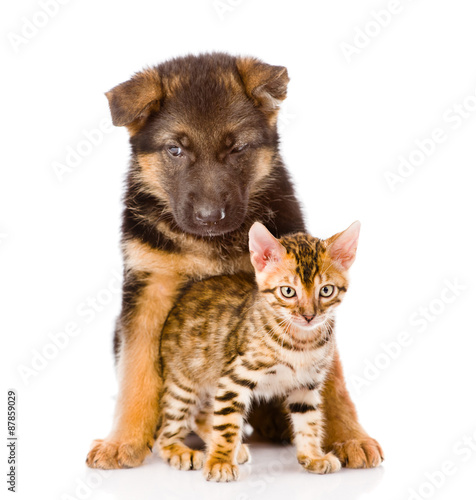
209 215
308 317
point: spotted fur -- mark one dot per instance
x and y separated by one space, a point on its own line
211 106
232 339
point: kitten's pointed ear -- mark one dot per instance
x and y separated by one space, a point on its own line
343 246
265 249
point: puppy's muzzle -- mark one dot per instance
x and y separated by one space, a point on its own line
207 215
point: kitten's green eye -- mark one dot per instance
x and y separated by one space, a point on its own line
326 291
288 292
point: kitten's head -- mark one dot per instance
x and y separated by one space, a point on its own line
303 278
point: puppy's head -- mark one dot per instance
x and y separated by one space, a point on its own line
203 133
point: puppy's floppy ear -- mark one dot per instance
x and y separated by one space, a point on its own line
265 84
133 101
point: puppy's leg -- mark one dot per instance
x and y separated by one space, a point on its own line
344 436
136 414
270 420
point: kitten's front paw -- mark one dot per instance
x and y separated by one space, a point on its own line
359 453
219 471
187 460
322 465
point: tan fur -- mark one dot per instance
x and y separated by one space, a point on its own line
137 98
230 81
264 166
136 105
137 411
344 435
150 173
254 74
195 262
216 360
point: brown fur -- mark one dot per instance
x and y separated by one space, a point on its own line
208 105
228 339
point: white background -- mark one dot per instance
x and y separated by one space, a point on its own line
346 122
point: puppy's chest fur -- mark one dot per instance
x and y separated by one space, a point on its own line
199 263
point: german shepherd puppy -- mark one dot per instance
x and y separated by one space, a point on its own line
205 166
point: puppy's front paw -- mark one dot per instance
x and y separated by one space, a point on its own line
320 465
217 470
359 453
111 454
243 454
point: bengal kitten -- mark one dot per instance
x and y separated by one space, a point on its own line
232 338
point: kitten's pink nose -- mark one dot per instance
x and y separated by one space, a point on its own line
308 317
